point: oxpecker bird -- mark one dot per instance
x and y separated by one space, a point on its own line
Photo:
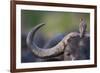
82 27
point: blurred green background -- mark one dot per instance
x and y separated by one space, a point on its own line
56 22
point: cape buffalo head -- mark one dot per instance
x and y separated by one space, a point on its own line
71 46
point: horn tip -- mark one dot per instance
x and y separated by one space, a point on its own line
42 23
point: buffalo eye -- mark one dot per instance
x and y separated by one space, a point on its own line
68 54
